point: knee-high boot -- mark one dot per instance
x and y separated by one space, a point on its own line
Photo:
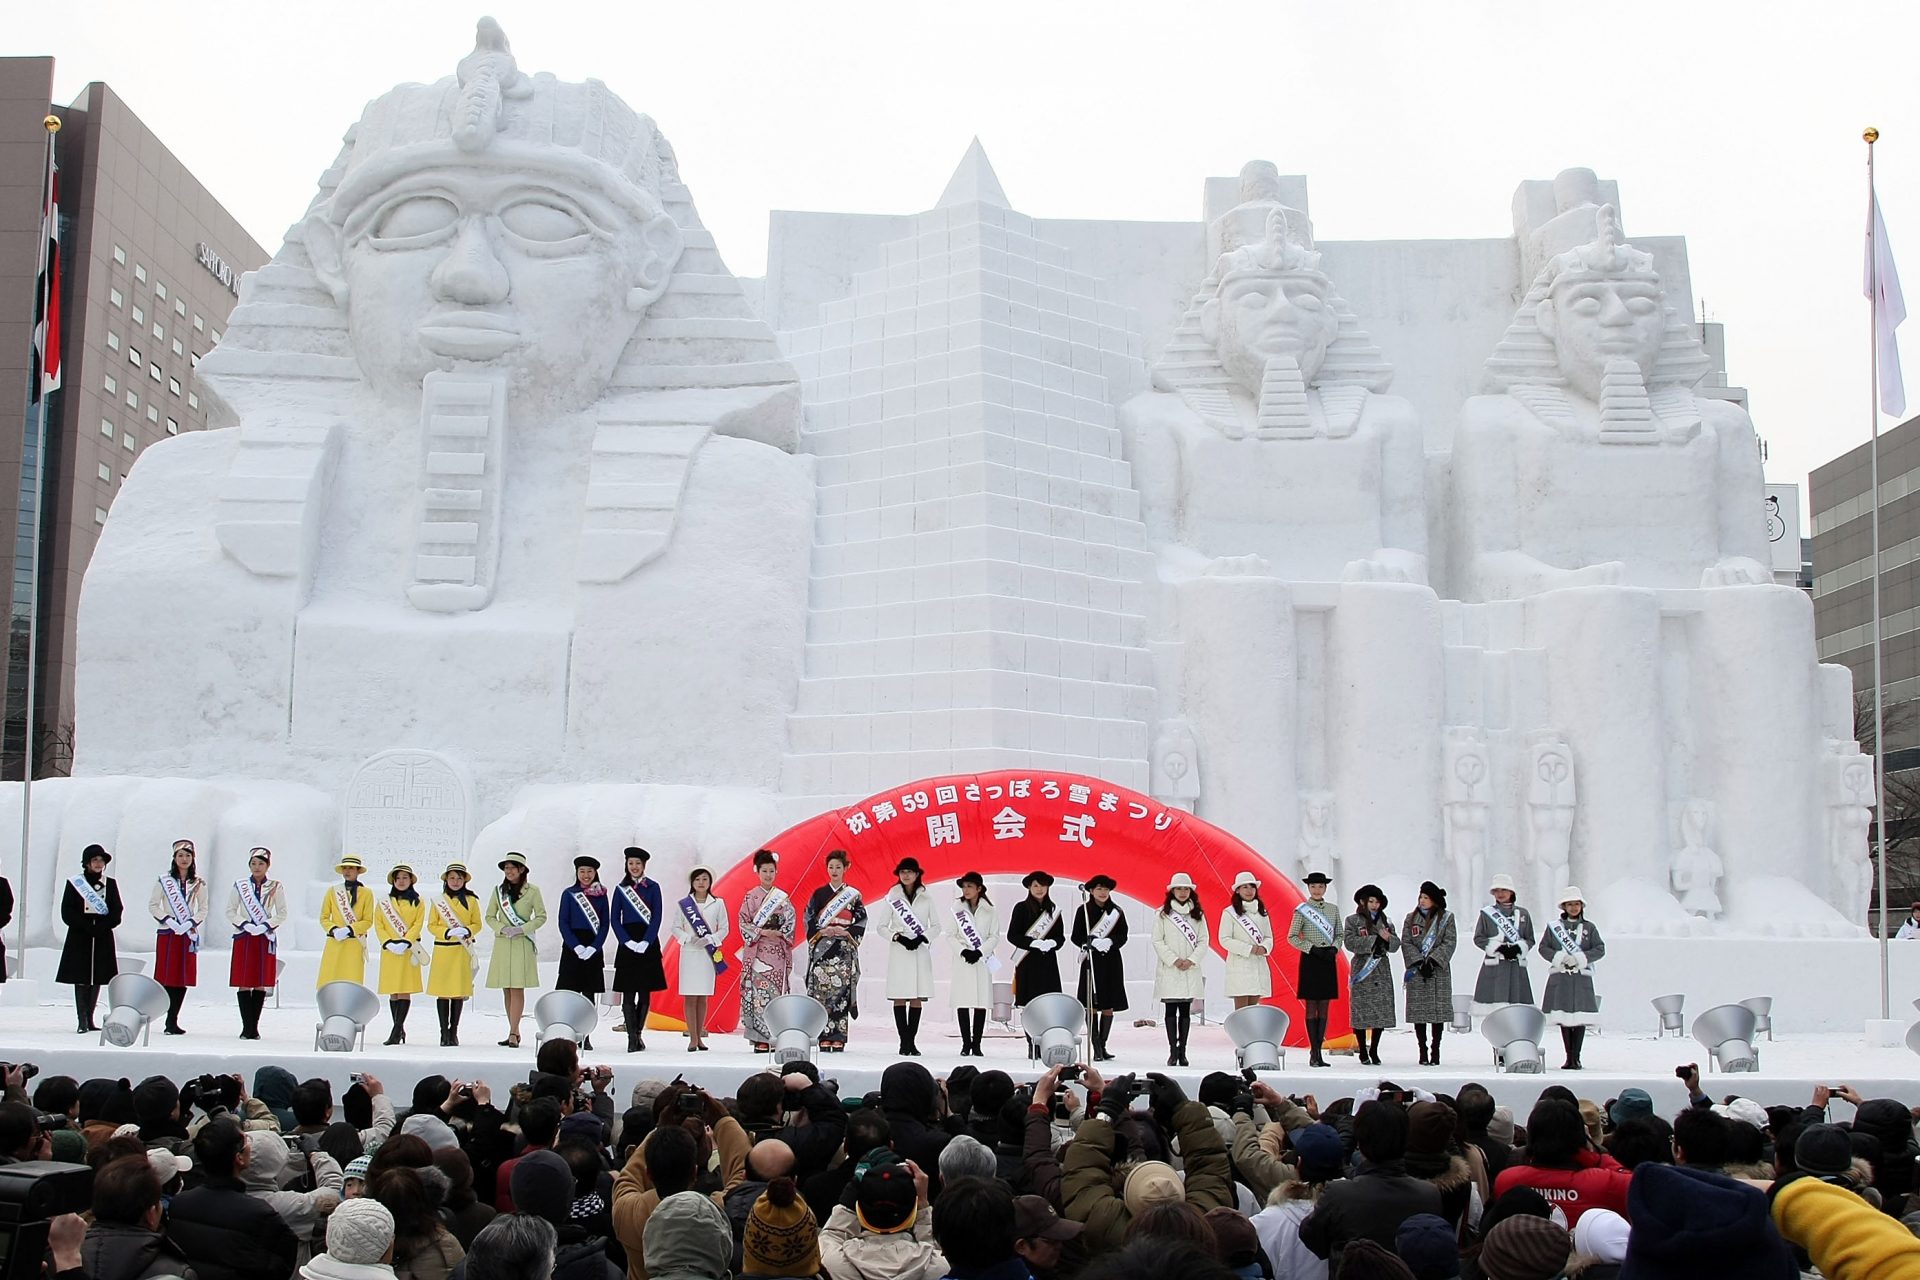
1576 1038
1420 1034
1316 1036
245 1000
1106 1030
913 1030
1373 1050
259 1008
1173 1034
443 1010
900 1026
979 1031
1438 1029
398 1010
82 1007
453 1022
176 996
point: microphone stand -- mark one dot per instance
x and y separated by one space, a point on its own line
1090 974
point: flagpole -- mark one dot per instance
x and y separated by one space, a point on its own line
1872 136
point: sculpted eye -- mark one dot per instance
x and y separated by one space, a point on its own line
1642 306
1586 305
415 216
541 222
1253 298
1307 300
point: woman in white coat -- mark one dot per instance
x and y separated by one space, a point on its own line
975 933
699 923
1180 939
1246 931
910 923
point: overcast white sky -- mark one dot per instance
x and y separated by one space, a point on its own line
1736 124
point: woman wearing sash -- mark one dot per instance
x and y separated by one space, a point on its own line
1036 930
256 908
6 918
1100 930
1369 940
975 933
637 971
1246 934
1430 937
1180 940
700 925
453 924
1315 933
397 925
179 905
346 916
1573 945
909 922
90 907
584 920
1504 931
767 928
515 913
836 922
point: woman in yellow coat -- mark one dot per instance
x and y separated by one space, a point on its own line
453 924
397 927
515 912
346 916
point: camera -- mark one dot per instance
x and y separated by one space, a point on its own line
31 1193
690 1103
211 1093
1069 1074
28 1070
1681 1073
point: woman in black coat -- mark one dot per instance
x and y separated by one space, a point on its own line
87 960
6 918
1100 930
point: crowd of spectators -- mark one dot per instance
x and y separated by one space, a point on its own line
976 1176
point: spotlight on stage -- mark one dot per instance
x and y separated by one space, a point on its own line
1515 1032
1727 1032
133 1002
1259 1035
1913 1036
1671 1019
1762 1007
564 1015
1054 1023
796 1022
345 1010
1463 1014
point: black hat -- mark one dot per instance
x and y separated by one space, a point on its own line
908 864
1366 891
1103 882
1036 877
1434 891
1317 877
1823 1150
635 851
93 851
884 1194
971 877
586 860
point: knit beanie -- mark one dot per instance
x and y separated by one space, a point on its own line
69 1146
1150 1183
1500 1128
1429 1128
1527 1248
433 1131
1688 1222
687 1238
542 1185
1365 1260
1319 1150
1427 1245
154 1100
1824 1150
357 1168
359 1231
1602 1234
782 1238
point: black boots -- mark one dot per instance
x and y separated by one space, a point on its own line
906 1021
973 1023
1421 1030
1420 1034
176 996
1438 1029
1367 1045
1573 1038
453 1023
1179 1025
633 1006
449 1011
1102 1028
444 1009
84 998
398 1008
1316 1036
251 1003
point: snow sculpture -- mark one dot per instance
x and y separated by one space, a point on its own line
1550 800
1176 765
1850 802
1317 849
1467 789
1696 867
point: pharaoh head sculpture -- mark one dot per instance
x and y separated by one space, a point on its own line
1270 301
496 220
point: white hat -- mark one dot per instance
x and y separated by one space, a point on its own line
166 1165
360 1231
1181 880
1246 877
1745 1110
1503 882
1572 894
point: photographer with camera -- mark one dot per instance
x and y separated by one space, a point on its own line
126 1240
21 1137
226 1233
671 1160
1106 1188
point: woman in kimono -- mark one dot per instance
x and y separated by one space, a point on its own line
1180 941
637 971
90 907
1369 939
910 923
396 927
346 917
256 908
1429 937
1246 934
768 926
699 924
515 912
584 921
974 933
1100 930
178 904
1504 932
453 925
1573 945
1314 932
1036 929
836 922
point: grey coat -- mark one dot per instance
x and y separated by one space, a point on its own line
1429 997
1373 1001
1569 998
1502 981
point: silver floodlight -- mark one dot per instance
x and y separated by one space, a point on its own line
345 1010
133 1002
1727 1032
796 1022
564 1015
1762 1007
1515 1032
1671 1019
1054 1023
1463 1014
1913 1037
1259 1035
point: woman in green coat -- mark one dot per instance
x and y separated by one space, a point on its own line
515 912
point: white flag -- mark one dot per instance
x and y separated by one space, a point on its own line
1884 281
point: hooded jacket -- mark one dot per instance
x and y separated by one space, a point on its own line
910 1099
1847 1238
1087 1183
302 1211
851 1252
115 1251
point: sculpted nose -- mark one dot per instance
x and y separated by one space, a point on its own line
1614 311
471 274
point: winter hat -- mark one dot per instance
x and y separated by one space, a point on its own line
1238 1242
1152 1182
782 1237
1431 890
885 1199
1319 1151
166 1165
542 1185
1429 1128
1602 1234
687 1238
1500 1128
1365 1260
991 1090
93 1095
273 1088
154 1100
70 1146
1217 1089
1528 1248
1427 1245
435 1132
1688 1223
1630 1103
1824 1150
1743 1109
357 1168
359 1231
118 1107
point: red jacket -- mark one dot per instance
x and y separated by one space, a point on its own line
1597 1182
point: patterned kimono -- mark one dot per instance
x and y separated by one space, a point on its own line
1372 983
1429 996
833 964
766 961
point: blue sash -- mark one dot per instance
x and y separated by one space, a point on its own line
1433 936
704 932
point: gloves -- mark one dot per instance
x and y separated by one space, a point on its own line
644 946
1103 944
970 956
1427 968
1118 1097
1510 951
512 931
583 951
398 947
638 948
1163 1095
255 929
1045 945
461 932
1242 1104
340 933
902 940
1584 964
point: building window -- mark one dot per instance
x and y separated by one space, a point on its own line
178 349
99 515
113 340
173 427
111 383
116 297
180 307
106 428
153 371
133 400
139 273
126 441
199 325
106 473
159 289
120 255
159 333
134 357
153 414
193 399
173 385
213 335
194 359
139 316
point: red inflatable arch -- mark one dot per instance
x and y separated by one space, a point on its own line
1009 823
